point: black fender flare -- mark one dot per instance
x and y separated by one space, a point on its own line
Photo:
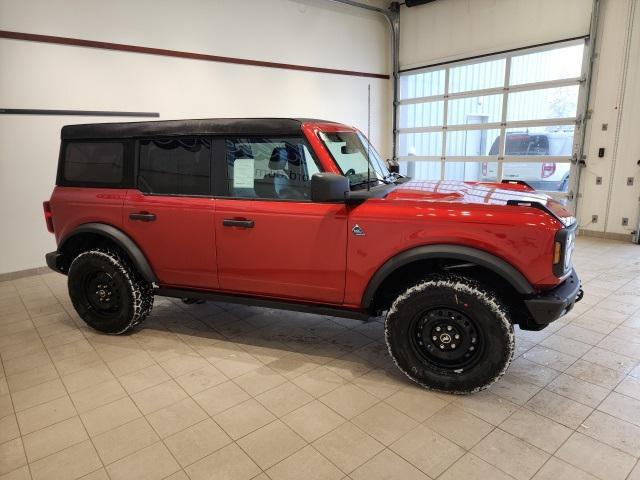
456 252
119 238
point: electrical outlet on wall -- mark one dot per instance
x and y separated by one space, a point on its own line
625 221
598 180
594 218
629 181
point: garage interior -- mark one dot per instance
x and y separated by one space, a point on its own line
454 90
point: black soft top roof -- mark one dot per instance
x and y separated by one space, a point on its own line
210 126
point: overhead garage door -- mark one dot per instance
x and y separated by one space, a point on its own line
512 116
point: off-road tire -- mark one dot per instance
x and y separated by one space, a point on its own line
470 303
134 294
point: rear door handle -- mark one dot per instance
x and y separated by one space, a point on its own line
228 222
143 216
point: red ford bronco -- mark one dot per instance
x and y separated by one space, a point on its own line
303 215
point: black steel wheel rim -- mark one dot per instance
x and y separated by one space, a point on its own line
446 339
102 293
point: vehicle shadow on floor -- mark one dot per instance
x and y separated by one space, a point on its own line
288 342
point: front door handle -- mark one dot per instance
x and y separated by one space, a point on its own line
143 216
229 222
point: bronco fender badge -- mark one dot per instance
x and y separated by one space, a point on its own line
357 231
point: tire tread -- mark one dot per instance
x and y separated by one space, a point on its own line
140 290
469 286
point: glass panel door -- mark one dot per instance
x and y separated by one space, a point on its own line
510 116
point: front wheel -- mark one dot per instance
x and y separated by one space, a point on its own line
447 333
107 292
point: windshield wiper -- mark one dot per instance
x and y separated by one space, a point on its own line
364 182
371 180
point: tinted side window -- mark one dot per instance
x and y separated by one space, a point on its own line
274 168
526 144
179 166
517 144
94 162
539 145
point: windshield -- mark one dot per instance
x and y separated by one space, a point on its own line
350 151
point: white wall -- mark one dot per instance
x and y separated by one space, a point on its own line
447 30
616 102
317 33
452 29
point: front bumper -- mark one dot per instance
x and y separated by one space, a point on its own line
53 261
553 304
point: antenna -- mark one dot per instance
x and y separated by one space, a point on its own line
368 136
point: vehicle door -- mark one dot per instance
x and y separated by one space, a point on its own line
271 239
171 213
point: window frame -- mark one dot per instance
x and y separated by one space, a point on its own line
361 137
503 125
221 164
212 175
127 180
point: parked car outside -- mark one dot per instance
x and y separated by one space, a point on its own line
550 176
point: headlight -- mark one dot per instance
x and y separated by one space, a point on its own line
563 250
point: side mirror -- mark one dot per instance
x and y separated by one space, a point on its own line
393 166
329 187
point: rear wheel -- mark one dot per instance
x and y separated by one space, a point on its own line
107 292
450 334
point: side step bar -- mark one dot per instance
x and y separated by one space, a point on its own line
263 302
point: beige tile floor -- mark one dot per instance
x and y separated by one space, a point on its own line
233 392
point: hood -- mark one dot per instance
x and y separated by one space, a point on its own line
449 191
